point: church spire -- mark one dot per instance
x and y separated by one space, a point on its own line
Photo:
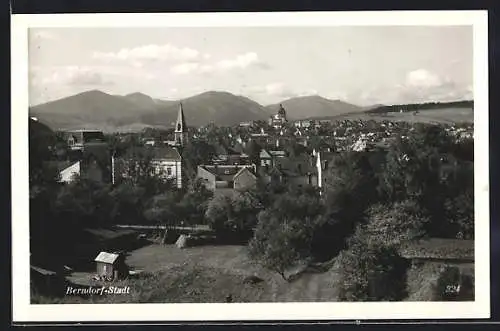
180 127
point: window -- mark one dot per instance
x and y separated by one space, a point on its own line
169 171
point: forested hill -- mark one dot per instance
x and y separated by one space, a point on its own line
422 106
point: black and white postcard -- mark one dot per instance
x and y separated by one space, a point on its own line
250 166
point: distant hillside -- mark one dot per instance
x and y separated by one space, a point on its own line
144 101
222 108
99 110
314 106
91 109
422 106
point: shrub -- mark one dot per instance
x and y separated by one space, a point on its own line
371 271
400 222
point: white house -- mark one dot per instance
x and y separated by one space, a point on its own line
165 160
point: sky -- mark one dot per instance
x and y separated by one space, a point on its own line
362 65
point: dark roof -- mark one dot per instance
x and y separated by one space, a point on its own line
437 248
295 166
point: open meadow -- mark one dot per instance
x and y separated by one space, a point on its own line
429 116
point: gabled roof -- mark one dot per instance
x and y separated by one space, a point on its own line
225 172
243 170
264 154
106 257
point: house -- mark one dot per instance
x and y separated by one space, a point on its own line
237 177
111 265
165 160
265 158
297 171
83 139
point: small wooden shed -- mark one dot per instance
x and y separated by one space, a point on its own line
111 265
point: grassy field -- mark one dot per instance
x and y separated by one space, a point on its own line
205 274
436 116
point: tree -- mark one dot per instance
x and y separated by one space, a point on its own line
370 270
253 150
129 203
400 222
163 209
85 202
196 153
350 189
412 167
460 214
140 169
233 217
194 203
284 232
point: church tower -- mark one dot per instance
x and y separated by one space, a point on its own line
181 133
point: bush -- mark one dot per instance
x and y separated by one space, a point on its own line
403 221
371 271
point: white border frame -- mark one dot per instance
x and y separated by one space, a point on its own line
23 311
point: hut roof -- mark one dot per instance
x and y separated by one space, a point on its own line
106 257
42 271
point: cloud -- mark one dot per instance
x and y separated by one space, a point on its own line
184 68
152 52
70 75
423 78
419 86
242 61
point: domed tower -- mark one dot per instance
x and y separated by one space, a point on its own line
282 113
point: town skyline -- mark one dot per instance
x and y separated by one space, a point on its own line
432 63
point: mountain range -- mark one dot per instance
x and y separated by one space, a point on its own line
99 110
132 112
